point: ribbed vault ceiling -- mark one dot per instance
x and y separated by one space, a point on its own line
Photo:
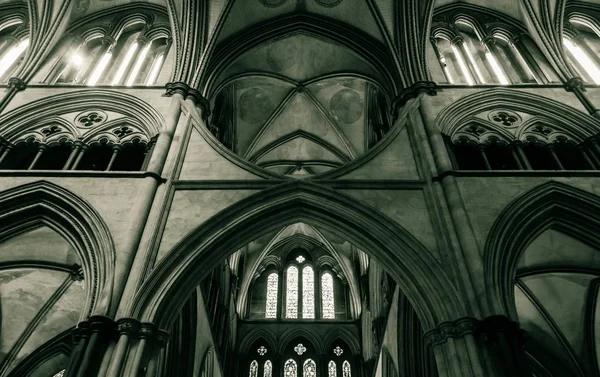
557 302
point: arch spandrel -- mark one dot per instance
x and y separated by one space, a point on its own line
426 284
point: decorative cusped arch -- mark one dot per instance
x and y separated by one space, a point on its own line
413 267
460 112
26 207
149 120
552 205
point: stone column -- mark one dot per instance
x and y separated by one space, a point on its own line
459 43
127 328
74 154
101 329
490 44
107 43
41 149
517 44
518 147
575 85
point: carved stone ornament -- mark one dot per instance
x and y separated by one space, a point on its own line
90 118
456 329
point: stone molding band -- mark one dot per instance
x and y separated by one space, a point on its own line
189 93
484 329
125 326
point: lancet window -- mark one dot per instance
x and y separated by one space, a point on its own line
14 41
481 53
131 53
300 290
581 40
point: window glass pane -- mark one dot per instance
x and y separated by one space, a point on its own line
268 369
271 306
309 369
331 369
308 292
254 368
290 368
60 374
291 297
327 296
346 369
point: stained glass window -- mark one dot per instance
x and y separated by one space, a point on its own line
291 299
268 369
327 296
60 374
272 285
309 369
254 368
346 369
300 259
308 292
331 369
290 368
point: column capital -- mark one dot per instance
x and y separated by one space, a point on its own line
190 93
148 330
488 41
454 329
428 87
128 326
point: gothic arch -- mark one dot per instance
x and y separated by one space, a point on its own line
294 333
43 203
227 51
149 120
345 336
55 347
455 115
410 263
255 335
551 205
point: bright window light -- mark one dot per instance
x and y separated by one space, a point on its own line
125 64
496 67
524 63
77 60
585 61
12 55
446 69
463 66
155 70
138 65
474 65
99 69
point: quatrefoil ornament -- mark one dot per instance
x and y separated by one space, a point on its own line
300 349
338 351
91 118
262 350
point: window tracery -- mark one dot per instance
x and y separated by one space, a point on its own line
327 296
309 369
509 143
308 292
290 368
253 369
55 145
272 292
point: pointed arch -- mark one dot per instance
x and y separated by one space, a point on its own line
293 333
551 205
454 115
149 120
256 334
345 336
38 203
55 347
410 264
371 50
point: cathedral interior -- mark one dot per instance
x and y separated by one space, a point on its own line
299 188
